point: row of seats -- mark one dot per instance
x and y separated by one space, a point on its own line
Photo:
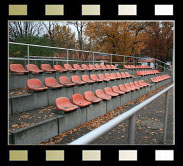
136 67
51 82
79 100
147 72
160 78
18 68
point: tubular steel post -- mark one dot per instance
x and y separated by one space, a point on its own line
93 58
111 58
28 53
166 117
131 132
124 60
67 56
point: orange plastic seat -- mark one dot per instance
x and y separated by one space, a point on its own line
76 79
98 67
123 88
51 82
78 67
104 67
107 75
47 68
110 92
89 95
108 67
84 66
33 68
133 86
69 67
127 86
123 75
87 79
63 104
119 75
100 93
63 80
144 83
127 74
114 67
35 85
138 85
95 78
103 78
59 68
92 67
79 100
18 68
117 90
115 76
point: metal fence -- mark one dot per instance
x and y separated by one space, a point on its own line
130 114
55 60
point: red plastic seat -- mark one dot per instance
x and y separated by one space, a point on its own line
92 67
127 86
33 68
79 100
114 67
117 90
18 68
127 74
119 75
78 67
35 85
107 75
103 78
59 68
133 86
69 67
87 79
104 67
110 92
84 66
123 88
63 80
123 75
95 78
108 67
51 82
63 104
138 85
115 76
100 93
89 95
76 79
144 83
98 67
47 68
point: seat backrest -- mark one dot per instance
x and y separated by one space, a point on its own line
67 66
50 81
62 101
64 79
99 92
58 67
77 97
76 66
16 67
118 74
98 66
113 67
103 66
108 89
46 67
84 66
101 76
92 66
32 67
115 88
35 83
89 95
113 75
94 77
107 75
75 78
108 66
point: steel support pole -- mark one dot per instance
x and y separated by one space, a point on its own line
111 59
28 53
93 58
131 132
166 117
67 56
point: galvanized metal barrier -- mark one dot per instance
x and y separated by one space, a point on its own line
130 114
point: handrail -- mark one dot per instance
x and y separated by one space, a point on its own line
93 135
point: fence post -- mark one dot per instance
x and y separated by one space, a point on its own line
166 117
131 129
111 58
93 58
28 53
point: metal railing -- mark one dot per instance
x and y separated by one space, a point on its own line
29 58
130 114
